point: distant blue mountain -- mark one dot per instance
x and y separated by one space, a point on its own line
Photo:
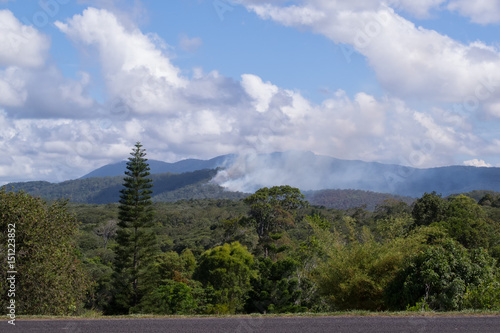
189 165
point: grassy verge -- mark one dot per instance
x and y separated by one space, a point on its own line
357 313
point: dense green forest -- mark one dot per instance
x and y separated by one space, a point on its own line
436 254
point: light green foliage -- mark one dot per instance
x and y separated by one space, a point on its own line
484 296
172 266
51 279
228 269
356 268
394 227
393 219
171 297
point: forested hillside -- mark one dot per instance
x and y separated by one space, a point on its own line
345 199
185 186
103 190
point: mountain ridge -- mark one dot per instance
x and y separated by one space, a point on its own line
187 165
225 175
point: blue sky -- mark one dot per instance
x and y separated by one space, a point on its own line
397 81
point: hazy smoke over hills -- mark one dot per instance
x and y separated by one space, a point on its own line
308 171
304 170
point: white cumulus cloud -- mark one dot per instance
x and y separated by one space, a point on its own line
261 92
22 45
410 62
135 69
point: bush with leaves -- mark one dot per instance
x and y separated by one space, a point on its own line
356 268
439 276
275 289
171 297
484 296
50 278
467 222
428 209
228 270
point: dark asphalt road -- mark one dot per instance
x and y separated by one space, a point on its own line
256 324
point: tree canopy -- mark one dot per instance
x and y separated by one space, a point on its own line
50 278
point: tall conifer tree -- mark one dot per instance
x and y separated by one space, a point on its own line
137 244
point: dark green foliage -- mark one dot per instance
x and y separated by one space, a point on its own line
101 272
51 279
135 198
429 208
191 185
200 224
345 199
92 216
238 230
392 208
486 200
271 210
438 277
466 222
80 190
136 237
275 289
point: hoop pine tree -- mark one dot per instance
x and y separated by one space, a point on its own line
136 239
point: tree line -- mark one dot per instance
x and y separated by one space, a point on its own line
269 253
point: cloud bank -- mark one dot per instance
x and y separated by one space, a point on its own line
59 131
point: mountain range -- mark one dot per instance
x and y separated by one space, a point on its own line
232 176
188 165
